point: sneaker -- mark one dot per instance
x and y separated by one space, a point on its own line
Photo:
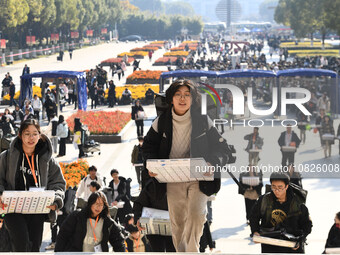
50 247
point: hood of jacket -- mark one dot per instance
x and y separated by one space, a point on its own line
50 172
43 147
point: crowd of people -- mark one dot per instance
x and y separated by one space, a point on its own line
250 53
96 214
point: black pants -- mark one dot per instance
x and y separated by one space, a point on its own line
70 99
36 114
140 127
249 205
62 147
11 101
287 156
25 231
49 115
75 100
95 101
81 151
145 177
112 101
161 243
139 170
55 225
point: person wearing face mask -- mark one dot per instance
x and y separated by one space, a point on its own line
137 159
333 239
91 229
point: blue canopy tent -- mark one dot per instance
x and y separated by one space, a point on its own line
256 30
237 73
306 72
246 73
243 30
26 85
334 92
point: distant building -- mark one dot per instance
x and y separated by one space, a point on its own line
228 11
206 9
250 9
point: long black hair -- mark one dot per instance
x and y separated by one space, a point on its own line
77 124
92 200
61 119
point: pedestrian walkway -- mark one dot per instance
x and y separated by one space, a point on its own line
228 227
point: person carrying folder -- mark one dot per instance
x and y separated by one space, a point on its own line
27 164
182 132
281 210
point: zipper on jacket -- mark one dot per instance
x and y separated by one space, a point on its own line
38 171
23 174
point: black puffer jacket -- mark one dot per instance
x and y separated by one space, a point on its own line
206 142
333 239
148 198
122 196
73 232
292 215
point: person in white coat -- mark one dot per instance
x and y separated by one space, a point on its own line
37 106
62 134
84 186
51 132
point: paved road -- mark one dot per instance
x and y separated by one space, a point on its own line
85 58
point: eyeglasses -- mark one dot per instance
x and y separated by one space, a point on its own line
185 96
34 135
101 205
280 188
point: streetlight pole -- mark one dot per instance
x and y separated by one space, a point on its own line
3 61
30 41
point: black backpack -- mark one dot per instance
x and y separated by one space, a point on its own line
70 195
160 104
128 188
298 191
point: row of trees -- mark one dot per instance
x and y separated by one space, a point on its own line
19 18
267 10
161 27
165 7
309 16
